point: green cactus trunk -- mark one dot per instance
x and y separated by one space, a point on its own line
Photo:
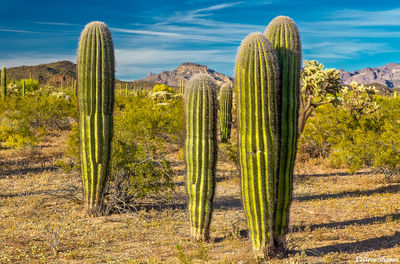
285 38
75 88
257 86
225 113
126 90
96 101
182 86
3 83
200 152
23 88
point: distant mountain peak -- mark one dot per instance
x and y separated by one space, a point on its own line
387 75
184 72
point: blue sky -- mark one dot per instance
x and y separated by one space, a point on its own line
152 36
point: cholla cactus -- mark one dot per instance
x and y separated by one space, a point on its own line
358 99
318 86
160 96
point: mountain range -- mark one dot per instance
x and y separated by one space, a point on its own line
386 76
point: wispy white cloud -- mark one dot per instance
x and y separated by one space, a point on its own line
344 49
214 7
55 23
16 30
29 59
147 32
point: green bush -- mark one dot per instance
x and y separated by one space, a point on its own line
356 141
163 88
24 119
142 131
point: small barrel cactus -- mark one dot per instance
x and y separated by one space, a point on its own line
96 101
200 152
285 38
225 112
257 92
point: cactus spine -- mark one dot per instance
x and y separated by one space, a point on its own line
285 38
96 101
257 85
225 114
200 152
3 83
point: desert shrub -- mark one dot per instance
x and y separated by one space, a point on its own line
25 119
163 88
142 131
15 130
356 141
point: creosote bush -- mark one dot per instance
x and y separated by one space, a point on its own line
24 120
142 131
353 140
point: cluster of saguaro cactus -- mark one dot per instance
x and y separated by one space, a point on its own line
257 84
285 38
3 83
225 111
267 75
96 101
200 152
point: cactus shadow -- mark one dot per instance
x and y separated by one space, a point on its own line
227 203
343 224
332 174
379 243
384 189
24 171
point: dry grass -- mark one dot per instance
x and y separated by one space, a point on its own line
335 218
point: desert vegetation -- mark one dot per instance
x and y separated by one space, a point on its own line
284 165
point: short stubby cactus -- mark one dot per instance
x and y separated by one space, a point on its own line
200 152
96 101
257 92
225 112
285 38
3 83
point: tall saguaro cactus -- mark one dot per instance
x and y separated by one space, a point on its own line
200 152
23 88
225 113
96 101
285 38
3 83
182 86
257 91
